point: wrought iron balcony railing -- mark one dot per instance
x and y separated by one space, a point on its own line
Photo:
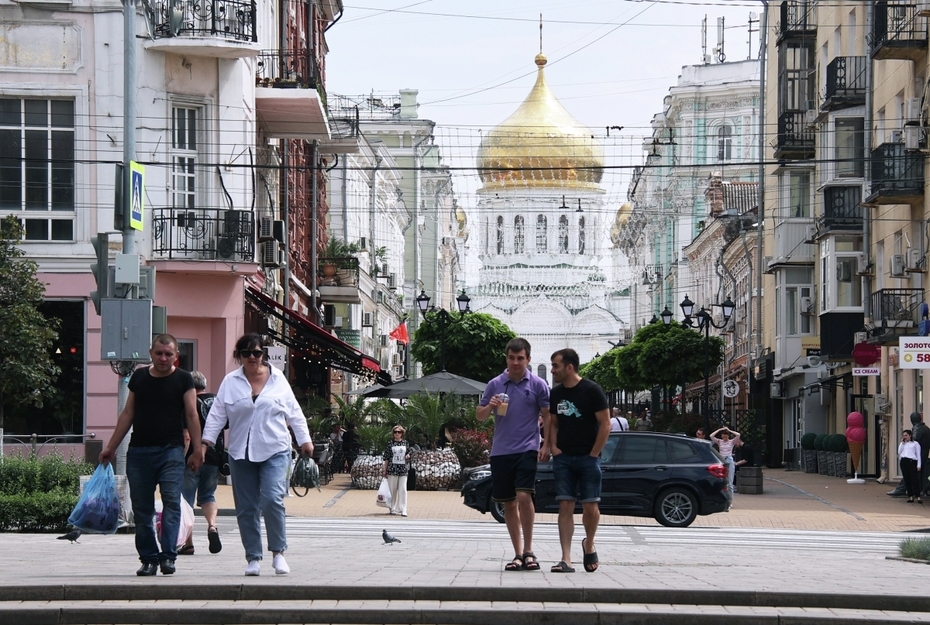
897 174
795 137
842 208
342 271
846 82
203 234
293 69
795 17
227 19
897 308
898 32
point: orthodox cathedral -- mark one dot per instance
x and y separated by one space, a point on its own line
543 243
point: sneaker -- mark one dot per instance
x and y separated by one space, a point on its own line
280 565
214 537
254 569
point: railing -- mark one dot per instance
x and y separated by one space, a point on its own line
793 132
897 308
291 69
204 234
33 444
895 21
846 77
342 271
227 19
795 16
842 208
895 170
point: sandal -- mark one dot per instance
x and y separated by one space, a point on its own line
530 565
514 565
562 567
186 550
590 559
214 537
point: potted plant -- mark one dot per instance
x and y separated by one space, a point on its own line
810 453
366 470
436 469
335 250
822 468
840 448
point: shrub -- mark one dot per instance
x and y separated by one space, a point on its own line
916 548
38 494
819 442
807 441
471 447
841 445
36 512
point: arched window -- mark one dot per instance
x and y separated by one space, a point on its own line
541 372
518 239
563 235
724 143
500 235
541 233
581 235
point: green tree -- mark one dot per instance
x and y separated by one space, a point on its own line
475 345
27 372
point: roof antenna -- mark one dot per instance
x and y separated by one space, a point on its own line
540 34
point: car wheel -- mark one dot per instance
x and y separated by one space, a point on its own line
676 507
497 509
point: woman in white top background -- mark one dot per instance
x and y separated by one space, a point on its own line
257 401
909 455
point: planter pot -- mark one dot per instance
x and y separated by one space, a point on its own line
839 464
366 472
810 461
822 467
435 470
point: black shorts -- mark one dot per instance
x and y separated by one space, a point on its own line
511 473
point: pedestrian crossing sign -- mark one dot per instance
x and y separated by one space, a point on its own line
137 187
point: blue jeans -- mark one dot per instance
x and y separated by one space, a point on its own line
731 470
147 467
258 490
203 483
577 476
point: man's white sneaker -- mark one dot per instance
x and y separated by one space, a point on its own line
280 565
254 568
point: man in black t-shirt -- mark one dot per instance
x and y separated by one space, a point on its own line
579 428
161 401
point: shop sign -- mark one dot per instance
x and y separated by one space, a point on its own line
914 352
865 371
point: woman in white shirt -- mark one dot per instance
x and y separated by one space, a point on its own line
909 454
257 401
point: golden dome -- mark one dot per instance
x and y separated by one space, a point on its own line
623 216
462 219
540 145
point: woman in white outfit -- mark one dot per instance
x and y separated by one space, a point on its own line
395 469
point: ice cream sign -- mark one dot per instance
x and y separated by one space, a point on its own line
914 352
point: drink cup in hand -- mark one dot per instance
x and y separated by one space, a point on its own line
505 401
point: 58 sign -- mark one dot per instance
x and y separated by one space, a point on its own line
914 352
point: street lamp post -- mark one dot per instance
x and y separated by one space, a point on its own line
703 320
445 318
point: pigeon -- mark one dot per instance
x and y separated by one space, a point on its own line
388 538
73 536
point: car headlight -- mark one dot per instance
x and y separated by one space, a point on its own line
479 475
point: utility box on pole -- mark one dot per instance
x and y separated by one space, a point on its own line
126 329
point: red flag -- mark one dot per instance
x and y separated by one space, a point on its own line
400 333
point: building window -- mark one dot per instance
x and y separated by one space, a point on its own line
581 236
184 127
541 372
518 237
541 234
500 235
563 235
37 165
796 194
725 143
850 144
839 259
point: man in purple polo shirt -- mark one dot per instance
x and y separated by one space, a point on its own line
516 448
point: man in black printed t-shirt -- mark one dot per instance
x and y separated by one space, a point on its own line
161 403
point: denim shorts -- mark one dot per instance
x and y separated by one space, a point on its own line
577 478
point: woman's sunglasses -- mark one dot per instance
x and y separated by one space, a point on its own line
255 353
398 432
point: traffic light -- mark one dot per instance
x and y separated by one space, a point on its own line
101 244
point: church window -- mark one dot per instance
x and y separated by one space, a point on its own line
724 143
500 235
563 235
581 235
541 372
541 233
518 240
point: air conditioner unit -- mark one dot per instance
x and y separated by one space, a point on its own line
237 223
912 136
272 255
277 231
810 119
897 266
329 315
860 337
226 246
775 389
265 227
894 136
882 405
862 265
767 264
396 359
806 305
366 320
915 259
913 111
810 235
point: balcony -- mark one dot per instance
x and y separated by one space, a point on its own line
795 137
290 98
208 28
898 32
846 83
791 247
838 334
338 280
897 175
895 312
203 234
842 209
795 20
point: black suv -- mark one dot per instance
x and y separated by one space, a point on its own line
670 477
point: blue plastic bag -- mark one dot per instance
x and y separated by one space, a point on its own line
97 511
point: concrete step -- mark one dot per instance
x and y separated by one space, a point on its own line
402 612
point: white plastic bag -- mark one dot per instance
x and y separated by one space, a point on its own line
384 494
186 529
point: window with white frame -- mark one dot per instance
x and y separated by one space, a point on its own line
841 286
518 235
850 145
796 194
500 235
563 234
37 165
724 143
794 301
541 227
185 124
581 236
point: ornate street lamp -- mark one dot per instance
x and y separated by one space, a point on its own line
445 318
703 320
